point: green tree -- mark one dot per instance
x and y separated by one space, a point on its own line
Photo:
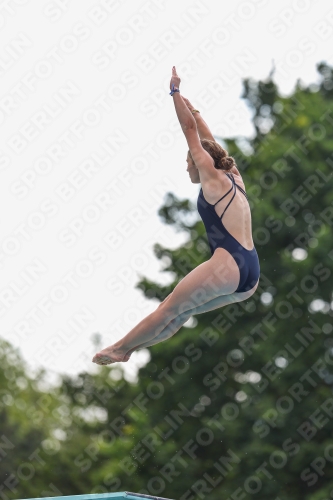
254 376
239 402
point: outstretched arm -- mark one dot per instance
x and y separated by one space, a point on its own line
184 115
203 129
193 128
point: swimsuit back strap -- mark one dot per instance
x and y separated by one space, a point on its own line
241 190
239 187
233 196
232 180
231 177
223 196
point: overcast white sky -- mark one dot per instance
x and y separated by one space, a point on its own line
90 145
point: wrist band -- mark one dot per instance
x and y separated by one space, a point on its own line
195 111
174 90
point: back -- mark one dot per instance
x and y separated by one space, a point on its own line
237 217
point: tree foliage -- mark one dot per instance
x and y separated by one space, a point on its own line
239 402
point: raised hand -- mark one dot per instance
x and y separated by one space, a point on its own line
175 80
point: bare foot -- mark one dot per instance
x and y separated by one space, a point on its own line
111 355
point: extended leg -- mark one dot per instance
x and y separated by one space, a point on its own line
216 277
178 322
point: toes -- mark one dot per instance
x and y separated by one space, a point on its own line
105 359
102 360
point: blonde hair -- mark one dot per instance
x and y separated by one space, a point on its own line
222 160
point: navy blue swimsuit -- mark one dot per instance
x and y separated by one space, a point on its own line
219 237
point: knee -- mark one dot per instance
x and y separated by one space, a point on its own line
170 310
165 311
181 312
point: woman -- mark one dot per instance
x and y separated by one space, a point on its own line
232 273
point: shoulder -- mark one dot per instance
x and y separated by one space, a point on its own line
214 189
237 177
236 173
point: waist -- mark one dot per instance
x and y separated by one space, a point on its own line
219 237
233 247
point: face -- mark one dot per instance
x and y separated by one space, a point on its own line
192 170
